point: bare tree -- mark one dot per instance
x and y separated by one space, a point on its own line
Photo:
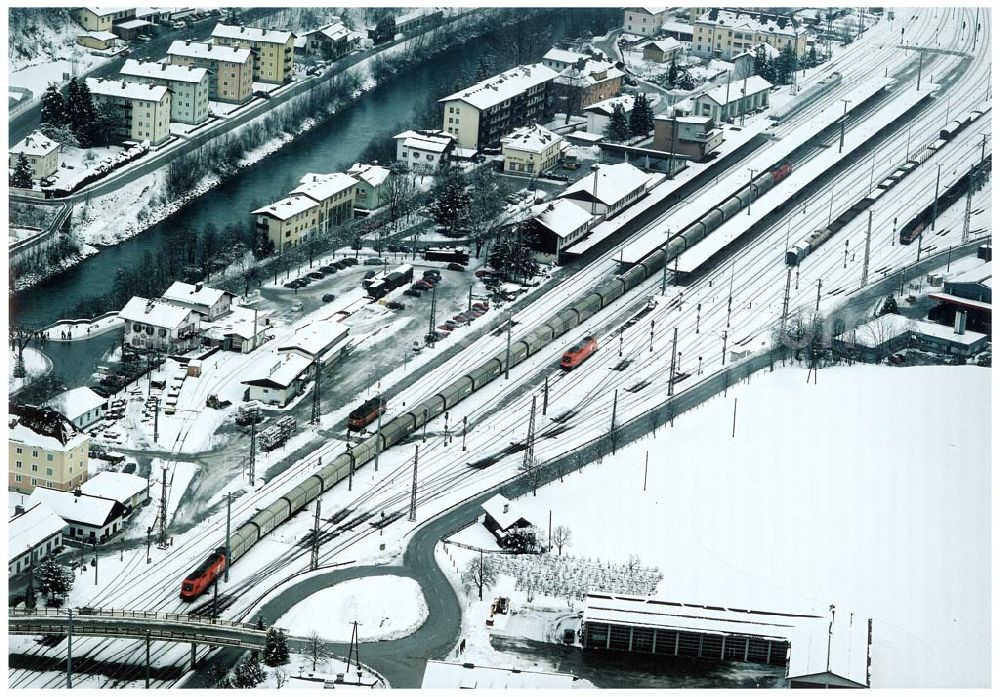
487 215
20 336
481 572
280 678
632 563
561 537
398 193
318 649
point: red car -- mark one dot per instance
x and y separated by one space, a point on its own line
445 327
422 285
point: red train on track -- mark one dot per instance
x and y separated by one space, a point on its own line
201 579
579 353
365 414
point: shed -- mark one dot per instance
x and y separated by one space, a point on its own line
501 518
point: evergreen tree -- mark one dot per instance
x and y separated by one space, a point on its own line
53 110
81 116
260 623
451 200
684 79
763 65
889 307
641 119
672 72
617 129
21 176
484 68
249 673
275 648
786 65
54 580
811 60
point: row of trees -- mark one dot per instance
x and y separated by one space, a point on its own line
781 70
74 119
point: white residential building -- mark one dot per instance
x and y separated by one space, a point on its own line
368 194
728 101
210 303
80 405
599 115
531 150
559 59
127 489
424 151
39 530
617 187
89 519
281 381
161 326
645 21
189 87
44 448
142 110
41 152
318 341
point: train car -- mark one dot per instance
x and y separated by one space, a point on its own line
366 413
910 233
202 578
378 289
578 353
949 131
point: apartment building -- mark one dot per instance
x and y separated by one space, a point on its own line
143 110
531 150
188 85
287 222
41 152
424 151
644 21
480 115
160 326
587 83
333 195
273 51
727 33
230 69
369 193
44 449
101 18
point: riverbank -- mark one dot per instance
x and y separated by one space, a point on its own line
109 220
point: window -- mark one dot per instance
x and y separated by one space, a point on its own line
19 451
48 456
34 482
34 453
17 477
48 471
17 464
34 468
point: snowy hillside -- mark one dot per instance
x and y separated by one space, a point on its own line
40 35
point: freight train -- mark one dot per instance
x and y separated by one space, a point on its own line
402 426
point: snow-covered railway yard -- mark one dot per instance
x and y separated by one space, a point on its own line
729 307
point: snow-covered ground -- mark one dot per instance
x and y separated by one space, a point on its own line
884 507
385 607
299 674
36 364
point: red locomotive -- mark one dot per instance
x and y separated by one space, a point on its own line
366 413
201 579
779 172
579 353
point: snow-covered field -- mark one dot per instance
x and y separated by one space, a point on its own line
385 607
35 364
875 481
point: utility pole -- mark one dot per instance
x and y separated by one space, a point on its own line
871 179
819 288
725 336
413 491
545 396
909 128
734 416
528 463
967 218
162 539
697 320
253 446
465 423
69 651
868 244
621 341
663 283
470 297
229 551
784 304
614 417
353 652
750 201
314 556
315 401
847 250
937 187
147 659
29 591
378 427
673 365
510 321
673 144
432 331
645 472
156 419
652 329
350 473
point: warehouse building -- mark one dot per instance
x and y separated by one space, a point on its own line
818 650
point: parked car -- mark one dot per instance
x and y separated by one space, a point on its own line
483 273
373 261
292 284
316 274
297 307
412 292
350 261
328 297
329 268
451 323
422 285
395 305
369 274
432 273
392 248
455 266
445 327
342 264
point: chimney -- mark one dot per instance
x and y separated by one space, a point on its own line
506 507
149 306
960 318
163 66
197 287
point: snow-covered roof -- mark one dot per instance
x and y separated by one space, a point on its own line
31 528
197 49
958 300
43 428
592 73
154 312
283 372
649 10
231 31
315 339
239 322
504 86
286 207
533 138
103 11
670 25
561 217
665 45
757 22
89 510
116 486
983 275
607 107
76 402
442 675
373 175
127 90
946 332
321 187
562 56
163 71
194 294
35 143
614 182
735 90
428 141
499 508
102 35
135 24
683 119
807 633
335 31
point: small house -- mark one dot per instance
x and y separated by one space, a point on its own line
281 382
80 405
558 224
662 50
599 115
502 518
207 302
99 40
90 519
127 489
36 534
41 152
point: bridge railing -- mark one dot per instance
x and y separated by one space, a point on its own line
127 614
